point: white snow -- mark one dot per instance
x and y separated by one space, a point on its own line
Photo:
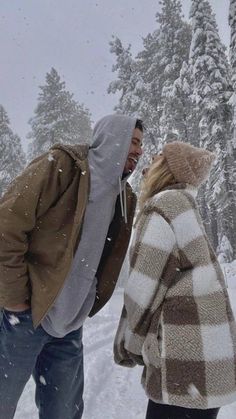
13 320
113 392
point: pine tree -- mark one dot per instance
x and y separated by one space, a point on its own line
160 63
150 68
145 82
232 101
182 107
58 117
127 83
212 90
175 40
130 85
12 158
232 23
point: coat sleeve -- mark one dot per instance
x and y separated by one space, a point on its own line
121 355
145 289
29 196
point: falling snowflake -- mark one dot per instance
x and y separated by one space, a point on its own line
42 380
50 157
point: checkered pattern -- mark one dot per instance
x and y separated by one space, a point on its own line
177 320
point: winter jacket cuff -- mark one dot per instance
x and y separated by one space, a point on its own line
123 357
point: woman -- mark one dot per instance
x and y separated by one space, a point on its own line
177 320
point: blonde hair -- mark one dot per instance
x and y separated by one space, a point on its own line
158 177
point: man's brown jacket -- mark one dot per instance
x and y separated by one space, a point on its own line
41 217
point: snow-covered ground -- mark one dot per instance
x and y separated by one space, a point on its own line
113 392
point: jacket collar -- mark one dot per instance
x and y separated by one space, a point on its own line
186 187
77 151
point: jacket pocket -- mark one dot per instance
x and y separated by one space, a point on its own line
152 346
150 351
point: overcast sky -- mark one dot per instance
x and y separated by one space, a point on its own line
72 36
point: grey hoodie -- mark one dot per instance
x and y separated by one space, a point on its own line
107 156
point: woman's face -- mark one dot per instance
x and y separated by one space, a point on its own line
155 158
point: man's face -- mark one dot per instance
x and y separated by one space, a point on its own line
135 151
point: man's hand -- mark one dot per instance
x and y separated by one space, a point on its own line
18 307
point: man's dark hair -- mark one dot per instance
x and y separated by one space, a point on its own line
139 124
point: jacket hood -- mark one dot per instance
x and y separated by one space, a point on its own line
110 146
77 151
106 158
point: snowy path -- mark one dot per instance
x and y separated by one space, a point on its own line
111 392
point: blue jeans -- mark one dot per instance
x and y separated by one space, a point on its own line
55 363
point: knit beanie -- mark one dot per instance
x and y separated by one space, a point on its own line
187 163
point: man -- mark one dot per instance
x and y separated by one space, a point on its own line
65 228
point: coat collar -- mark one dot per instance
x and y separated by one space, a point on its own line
185 187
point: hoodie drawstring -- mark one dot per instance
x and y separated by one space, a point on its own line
121 198
123 201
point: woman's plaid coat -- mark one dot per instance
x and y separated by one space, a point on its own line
177 320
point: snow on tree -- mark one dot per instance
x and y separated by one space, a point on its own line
232 23
181 88
232 51
129 85
212 91
175 40
58 117
232 101
127 81
159 65
182 107
12 157
146 81
224 250
210 70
